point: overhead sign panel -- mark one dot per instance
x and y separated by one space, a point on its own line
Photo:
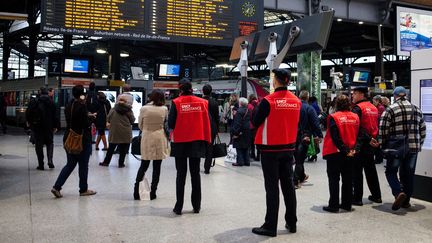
211 22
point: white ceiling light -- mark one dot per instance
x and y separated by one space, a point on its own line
124 54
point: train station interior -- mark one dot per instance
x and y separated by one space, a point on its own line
151 44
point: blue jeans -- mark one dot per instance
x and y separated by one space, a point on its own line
406 167
82 160
242 156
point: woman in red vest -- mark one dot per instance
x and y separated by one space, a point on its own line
189 121
338 150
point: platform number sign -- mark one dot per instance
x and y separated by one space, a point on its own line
54 65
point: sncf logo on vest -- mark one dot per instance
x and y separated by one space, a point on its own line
346 120
191 107
285 104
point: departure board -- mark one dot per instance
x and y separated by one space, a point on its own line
212 22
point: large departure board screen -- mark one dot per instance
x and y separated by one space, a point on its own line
211 22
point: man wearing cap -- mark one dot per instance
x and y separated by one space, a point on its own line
366 144
277 120
405 119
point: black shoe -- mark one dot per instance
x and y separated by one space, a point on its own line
51 165
196 210
122 166
153 195
331 210
398 201
247 164
375 200
292 228
103 164
207 172
136 192
236 164
262 231
357 203
346 208
177 211
40 168
406 205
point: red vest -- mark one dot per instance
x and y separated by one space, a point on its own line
281 125
369 118
348 124
192 123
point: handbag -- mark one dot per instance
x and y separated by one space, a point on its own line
397 147
144 190
73 143
219 149
136 146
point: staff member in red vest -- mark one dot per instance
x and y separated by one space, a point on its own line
189 121
368 114
339 150
277 121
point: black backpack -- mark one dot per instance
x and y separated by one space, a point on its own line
34 112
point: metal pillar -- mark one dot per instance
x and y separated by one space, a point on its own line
6 55
114 59
243 66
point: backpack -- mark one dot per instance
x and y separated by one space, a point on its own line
34 112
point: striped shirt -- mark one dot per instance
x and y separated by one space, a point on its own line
402 118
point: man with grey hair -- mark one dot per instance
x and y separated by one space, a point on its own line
308 126
241 133
402 120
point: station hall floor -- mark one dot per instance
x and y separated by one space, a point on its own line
233 201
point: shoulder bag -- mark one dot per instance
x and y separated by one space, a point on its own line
73 143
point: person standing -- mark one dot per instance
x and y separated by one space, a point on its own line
93 105
379 156
253 104
368 115
214 112
41 116
241 133
339 150
186 112
78 120
154 143
277 121
402 118
125 95
101 120
309 126
120 120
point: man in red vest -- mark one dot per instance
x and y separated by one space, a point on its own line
367 144
277 121
339 149
189 121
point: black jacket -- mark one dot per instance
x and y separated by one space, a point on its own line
49 119
309 122
78 120
214 111
241 128
104 109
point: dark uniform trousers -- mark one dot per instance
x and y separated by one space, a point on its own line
278 166
365 160
194 168
338 166
300 157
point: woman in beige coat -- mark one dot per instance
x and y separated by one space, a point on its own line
154 143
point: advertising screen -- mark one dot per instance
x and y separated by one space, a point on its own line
76 66
426 107
414 30
169 70
137 103
361 77
111 96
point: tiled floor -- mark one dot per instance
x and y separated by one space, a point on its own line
233 202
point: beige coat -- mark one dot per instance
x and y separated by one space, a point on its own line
154 144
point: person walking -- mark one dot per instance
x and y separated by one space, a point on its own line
41 116
309 126
154 143
241 133
101 120
78 120
402 119
368 115
120 120
214 112
186 112
339 150
277 121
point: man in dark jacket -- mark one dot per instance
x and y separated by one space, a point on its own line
43 126
309 125
214 112
241 133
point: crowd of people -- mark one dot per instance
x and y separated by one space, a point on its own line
278 130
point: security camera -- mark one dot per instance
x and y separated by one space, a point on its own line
273 36
244 44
